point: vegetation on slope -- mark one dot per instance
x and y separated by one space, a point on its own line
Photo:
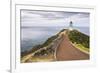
37 47
49 40
79 39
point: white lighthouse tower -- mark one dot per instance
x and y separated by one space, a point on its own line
70 25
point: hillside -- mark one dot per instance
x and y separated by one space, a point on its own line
80 40
60 47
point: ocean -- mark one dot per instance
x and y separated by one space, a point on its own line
31 36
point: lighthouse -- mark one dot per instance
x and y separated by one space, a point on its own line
70 25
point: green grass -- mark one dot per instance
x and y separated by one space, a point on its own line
49 41
82 48
80 40
46 58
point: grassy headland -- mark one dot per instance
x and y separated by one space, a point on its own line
45 52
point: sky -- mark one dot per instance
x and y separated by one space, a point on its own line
31 18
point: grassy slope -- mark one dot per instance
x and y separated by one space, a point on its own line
41 58
45 55
79 40
37 47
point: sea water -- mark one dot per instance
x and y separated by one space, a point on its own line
31 36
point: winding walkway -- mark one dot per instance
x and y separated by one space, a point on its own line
66 51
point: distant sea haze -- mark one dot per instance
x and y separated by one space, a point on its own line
31 36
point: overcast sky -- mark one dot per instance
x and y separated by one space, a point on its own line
51 18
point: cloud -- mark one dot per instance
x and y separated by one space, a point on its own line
51 18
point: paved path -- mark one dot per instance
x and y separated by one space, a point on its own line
66 51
